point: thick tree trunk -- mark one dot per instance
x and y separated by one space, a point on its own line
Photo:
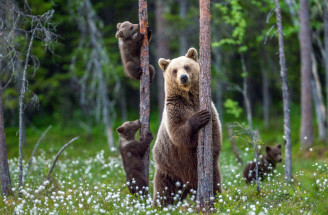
162 44
245 94
306 68
204 154
285 94
144 81
5 181
183 6
318 100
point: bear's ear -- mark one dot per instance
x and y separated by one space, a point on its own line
119 25
268 148
279 146
163 63
192 53
120 130
119 34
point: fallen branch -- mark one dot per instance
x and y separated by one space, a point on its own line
58 154
36 146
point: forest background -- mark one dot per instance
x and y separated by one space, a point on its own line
83 92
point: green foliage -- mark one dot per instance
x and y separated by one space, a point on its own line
233 16
233 108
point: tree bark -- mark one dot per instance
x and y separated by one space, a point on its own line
144 80
204 152
162 44
245 93
5 180
326 51
318 100
306 96
21 112
285 94
266 99
183 5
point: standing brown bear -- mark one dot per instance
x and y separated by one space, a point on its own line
132 153
175 150
266 165
130 42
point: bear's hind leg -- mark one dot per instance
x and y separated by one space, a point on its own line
133 70
217 184
164 187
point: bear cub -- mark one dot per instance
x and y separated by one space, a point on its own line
132 152
130 42
266 165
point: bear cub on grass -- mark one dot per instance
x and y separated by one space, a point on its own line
130 42
266 165
132 152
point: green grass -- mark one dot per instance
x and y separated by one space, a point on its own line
89 179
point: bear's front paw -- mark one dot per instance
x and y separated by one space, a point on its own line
148 138
200 119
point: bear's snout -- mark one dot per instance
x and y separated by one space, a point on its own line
184 79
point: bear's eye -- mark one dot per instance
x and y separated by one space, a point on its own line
131 28
186 68
175 71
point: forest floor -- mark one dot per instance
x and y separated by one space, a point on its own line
88 179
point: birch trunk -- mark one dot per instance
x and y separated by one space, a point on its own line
285 94
144 80
204 152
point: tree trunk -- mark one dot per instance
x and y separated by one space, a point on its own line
306 68
326 52
266 99
285 94
183 5
162 44
318 100
5 181
144 80
245 93
204 152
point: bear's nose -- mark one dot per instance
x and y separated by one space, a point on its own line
280 159
184 79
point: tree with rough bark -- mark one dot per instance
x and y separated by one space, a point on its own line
204 152
285 94
144 81
306 135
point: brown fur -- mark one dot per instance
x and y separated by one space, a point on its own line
266 165
132 153
175 150
130 42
